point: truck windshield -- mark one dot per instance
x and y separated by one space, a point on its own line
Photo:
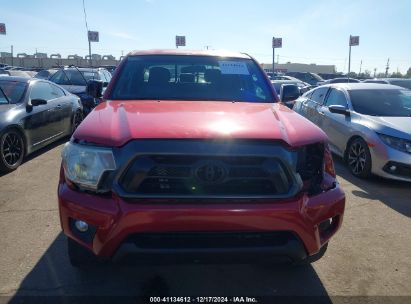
181 77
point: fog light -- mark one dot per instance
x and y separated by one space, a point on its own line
325 225
328 227
81 226
393 168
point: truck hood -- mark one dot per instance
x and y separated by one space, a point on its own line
114 123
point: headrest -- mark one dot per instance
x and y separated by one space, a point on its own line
212 75
187 78
158 75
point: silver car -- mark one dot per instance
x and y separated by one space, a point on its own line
402 82
367 124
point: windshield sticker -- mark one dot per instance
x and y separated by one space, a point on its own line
233 67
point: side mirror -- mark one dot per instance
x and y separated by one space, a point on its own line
339 110
289 92
37 102
95 88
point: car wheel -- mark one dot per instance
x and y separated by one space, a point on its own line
11 150
78 118
80 256
359 158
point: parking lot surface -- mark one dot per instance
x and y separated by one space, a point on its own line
370 256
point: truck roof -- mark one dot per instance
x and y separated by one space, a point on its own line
218 53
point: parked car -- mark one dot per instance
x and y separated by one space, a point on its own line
342 80
272 75
45 74
20 73
17 72
284 77
16 68
110 68
310 78
177 165
367 124
302 86
75 80
402 82
34 113
328 76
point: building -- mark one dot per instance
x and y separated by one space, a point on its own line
5 54
299 67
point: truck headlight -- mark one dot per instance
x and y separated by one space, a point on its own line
396 143
85 165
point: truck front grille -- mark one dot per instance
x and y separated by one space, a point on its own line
206 175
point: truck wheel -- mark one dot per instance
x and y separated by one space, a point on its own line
79 256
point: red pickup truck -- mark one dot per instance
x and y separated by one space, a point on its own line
192 157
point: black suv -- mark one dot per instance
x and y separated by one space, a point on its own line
310 78
75 80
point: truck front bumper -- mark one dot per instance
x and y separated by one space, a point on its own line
292 228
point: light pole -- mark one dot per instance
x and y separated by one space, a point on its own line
354 40
277 43
89 50
349 60
3 32
360 67
273 55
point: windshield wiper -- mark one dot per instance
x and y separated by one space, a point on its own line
82 75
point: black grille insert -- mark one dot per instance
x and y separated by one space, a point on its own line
210 240
199 176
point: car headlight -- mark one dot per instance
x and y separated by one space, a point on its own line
85 165
396 143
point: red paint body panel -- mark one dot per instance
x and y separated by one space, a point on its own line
185 52
116 219
114 123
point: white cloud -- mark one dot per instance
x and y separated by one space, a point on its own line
123 35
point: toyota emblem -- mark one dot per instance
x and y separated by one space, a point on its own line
210 172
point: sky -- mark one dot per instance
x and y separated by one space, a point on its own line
313 31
